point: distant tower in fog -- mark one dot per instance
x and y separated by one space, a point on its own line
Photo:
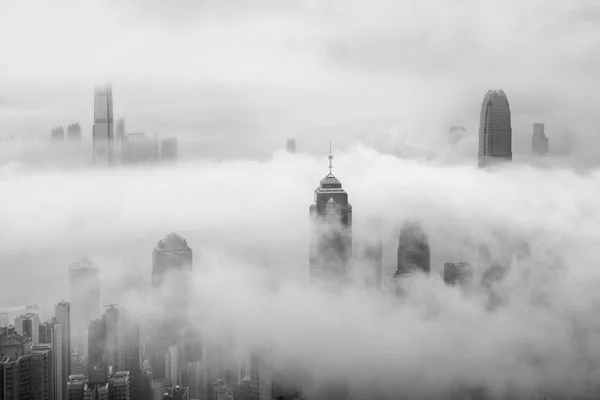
495 131
413 250
74 132
539 140
58 134
84 288
172 253
331 230
103 133
291 146
373 254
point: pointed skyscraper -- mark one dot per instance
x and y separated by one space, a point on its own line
495 131
103 133
331 230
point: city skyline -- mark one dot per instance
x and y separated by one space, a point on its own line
448 253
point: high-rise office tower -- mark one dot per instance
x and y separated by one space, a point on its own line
120 386
291 146
331 230
495 131
57 134
413 250
96 341
539 140
62 312
172 253
84 287
168 149
103 133
458 273
74 132
51 333
29 325
35 375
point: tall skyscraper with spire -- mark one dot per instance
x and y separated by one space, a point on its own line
495 131
331 230
103 133
413 250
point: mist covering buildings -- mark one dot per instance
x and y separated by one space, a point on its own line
317 72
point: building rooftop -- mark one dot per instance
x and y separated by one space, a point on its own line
83 263
172 242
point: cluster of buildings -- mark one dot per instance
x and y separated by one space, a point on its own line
112 145
73 133
86 353
111 148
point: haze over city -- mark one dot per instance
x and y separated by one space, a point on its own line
396 89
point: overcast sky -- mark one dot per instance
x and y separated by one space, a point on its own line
235 79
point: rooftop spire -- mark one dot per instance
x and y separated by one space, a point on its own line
330 158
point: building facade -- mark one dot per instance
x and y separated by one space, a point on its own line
103 131
62 312
539 140
458 273
413 250
495 130
84 288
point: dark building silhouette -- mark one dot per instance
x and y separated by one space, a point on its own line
495 131
458 273
103 131
331 231
74 132
172 253
29 376
413 250
539 140
62 312
168 149
57 134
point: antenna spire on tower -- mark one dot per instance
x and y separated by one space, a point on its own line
330 158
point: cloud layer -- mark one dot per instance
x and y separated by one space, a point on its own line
247 223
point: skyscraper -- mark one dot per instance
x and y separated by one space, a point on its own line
62 312
84 287
51 333
58 134
74 132
539 140
495 131
413 250
29 325
172 253
103 133
331 230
